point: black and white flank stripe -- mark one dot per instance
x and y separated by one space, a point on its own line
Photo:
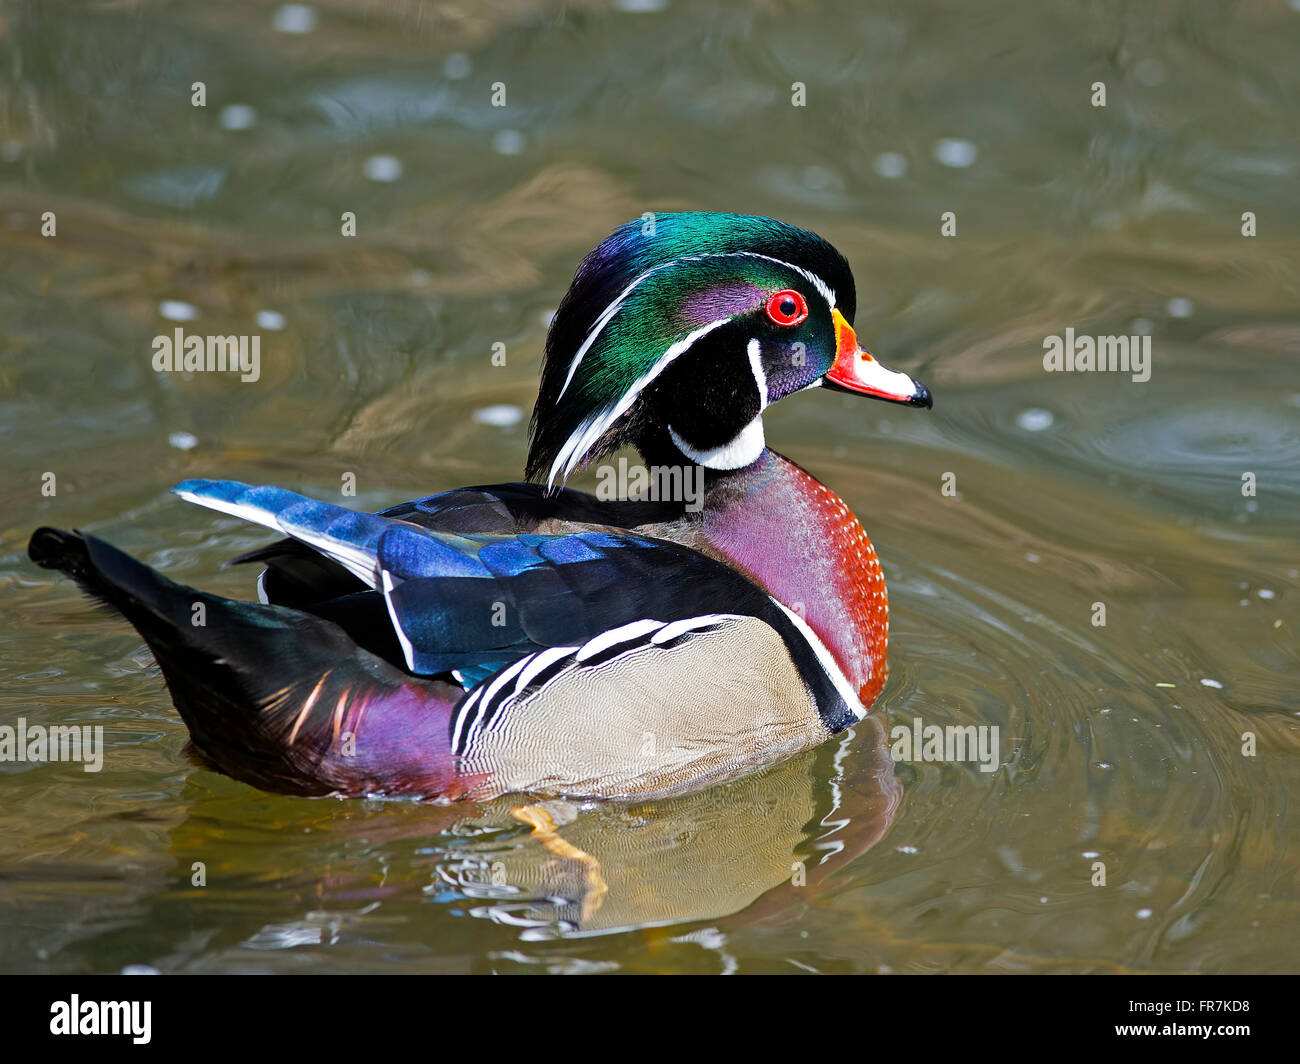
488 703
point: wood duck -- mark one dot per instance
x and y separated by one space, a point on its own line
530 638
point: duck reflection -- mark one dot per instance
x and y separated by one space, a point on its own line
756 849
558 869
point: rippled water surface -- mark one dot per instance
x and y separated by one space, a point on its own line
1121 743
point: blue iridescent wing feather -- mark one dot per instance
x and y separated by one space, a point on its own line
473 602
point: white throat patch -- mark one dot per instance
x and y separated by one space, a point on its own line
595 425
745 447
736 453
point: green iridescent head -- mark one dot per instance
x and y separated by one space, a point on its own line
680 329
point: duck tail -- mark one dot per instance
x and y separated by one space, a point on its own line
272 696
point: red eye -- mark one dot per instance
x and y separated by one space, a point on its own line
787 307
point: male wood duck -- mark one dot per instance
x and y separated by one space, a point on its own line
529 638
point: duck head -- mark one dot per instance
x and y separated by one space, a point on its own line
681 329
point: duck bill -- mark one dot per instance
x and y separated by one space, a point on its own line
858 371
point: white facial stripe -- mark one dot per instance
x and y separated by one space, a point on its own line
826 291
827 660
595 426
737 453
603 320
760 378
598 327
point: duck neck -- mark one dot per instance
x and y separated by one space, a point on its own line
796 538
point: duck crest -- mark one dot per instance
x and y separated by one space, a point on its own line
799 540
648 294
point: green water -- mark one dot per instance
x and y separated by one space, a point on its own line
1120 744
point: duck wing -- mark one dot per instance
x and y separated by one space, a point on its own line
297 575
438 601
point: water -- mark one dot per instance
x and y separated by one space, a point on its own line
1120 744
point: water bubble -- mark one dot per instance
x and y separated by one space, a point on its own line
1265 593
1180 308
955 152
237 116
140 969
457 65
383 168
1035 419
270 319
1032 558
640 7
1143 326
294 18
1207 682
908 849
176 310
818 178
1090 855
890 164
502 415
183 441
508 142
1143 914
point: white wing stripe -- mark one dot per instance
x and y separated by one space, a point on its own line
408 651
462 714
501 679
628 633
357 562
671 631
538 662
